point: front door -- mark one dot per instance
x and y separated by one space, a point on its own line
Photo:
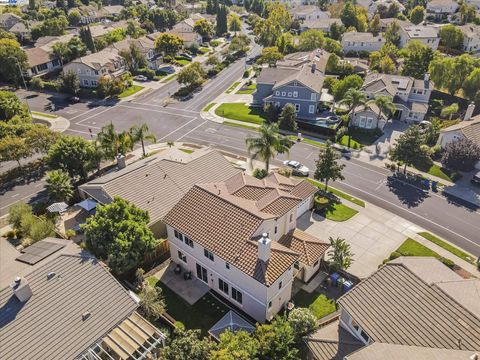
202 273
397 115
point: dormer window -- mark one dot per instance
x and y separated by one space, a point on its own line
295 83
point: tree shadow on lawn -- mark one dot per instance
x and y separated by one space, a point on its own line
408 194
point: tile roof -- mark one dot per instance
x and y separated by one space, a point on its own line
427 268
226 229
49 325
396 306
331 342
362 36
469 128
466 292
37 56
157 184
309 247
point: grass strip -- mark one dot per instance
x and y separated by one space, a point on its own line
208 107
241 112
450 248
233 86
130 91
50 116
245 126
337 192
320 305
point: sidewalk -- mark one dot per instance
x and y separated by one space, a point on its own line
58 124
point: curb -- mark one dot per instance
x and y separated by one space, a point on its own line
59 124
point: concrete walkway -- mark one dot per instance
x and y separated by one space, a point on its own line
58 124
373 234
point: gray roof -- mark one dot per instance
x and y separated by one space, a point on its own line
331 342
380 351
157 184
396 306
428 268
362 37
231 321
470 129
50 325
421 31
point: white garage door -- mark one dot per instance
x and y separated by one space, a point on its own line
303 207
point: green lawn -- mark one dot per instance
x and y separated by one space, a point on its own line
339 212
250 89
182 61
353 143
188 151
203 50
233 86
209 106
241 112
411 247
201 315
168 78
442 173
130 91
454 250
245 126
338 193
50 116
319 304
313 142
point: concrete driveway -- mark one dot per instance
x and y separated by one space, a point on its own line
392 130
373 234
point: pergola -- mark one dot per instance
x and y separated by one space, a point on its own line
134 338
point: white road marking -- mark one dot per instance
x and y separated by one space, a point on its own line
174 131
94 115
81 132
195 128
15 195
83 113
158 111
146 104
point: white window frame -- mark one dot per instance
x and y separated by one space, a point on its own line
289 94
182 256
86 82
277 93
284 93
369 124
223 286
363 121
188 241
295 94
236 297
297 108
311 109
209 255
313 97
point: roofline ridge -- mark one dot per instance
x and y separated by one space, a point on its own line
435 286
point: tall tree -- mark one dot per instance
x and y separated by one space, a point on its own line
285 43
385 106
353 99
40 138
86 35
374 26
234 23
417 14
73 154
168 44
268 144
416 59
342 86
12 109
187 345
408 148
451 37
327 166
276 340
222 22
12 57
340 254
70 82
140 133
302 321
238 345
119 234
14 149
288 118
152 302
192 75
59 186
134 58
270 56
310 40
114 143
392 33
204 28
461 155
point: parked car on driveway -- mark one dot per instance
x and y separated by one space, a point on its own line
140 78
476 178
187 56
297 168
73 99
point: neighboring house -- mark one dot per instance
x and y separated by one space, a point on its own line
411 308
367 117
91 68
184 25
426 34
41 62
441 8
308 12
239 237
61 308
361 41
157 183
297 79
387 21
146 46
471 37
88 14
103 29
410 96
467 129
190 38
7 20
360 66
111 11
322 25
372 8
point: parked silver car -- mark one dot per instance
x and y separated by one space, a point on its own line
297 168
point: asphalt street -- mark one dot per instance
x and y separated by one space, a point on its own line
448 218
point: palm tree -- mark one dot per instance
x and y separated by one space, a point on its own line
113 143
140 133
269 143
353 98
340 254
59 186
385 106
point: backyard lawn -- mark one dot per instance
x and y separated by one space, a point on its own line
130 91
241 112
339 212
201 315
454 250
319 304
250 89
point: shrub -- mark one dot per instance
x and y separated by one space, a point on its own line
448 262
246 73
215 43
36 83
12 234
260 173
394 255
50 85
40 229
17 212
285 171
321 202
179 325
70 233
302 321
149 73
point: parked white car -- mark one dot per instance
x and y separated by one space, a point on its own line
297 167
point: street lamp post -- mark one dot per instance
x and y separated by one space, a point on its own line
24 82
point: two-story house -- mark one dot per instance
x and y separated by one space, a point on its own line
410 96
426 34
471 38
297 79
185 25
239 237
91 68
322 24
411 308
361 41
308 12
145 45
441 8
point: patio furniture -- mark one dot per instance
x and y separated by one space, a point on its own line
187 275
178 269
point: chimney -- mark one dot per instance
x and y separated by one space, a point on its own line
264 246
21 289
121 161
426 77
314 67
469 112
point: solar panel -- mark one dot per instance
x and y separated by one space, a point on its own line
38 251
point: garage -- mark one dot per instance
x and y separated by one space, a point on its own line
304 206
